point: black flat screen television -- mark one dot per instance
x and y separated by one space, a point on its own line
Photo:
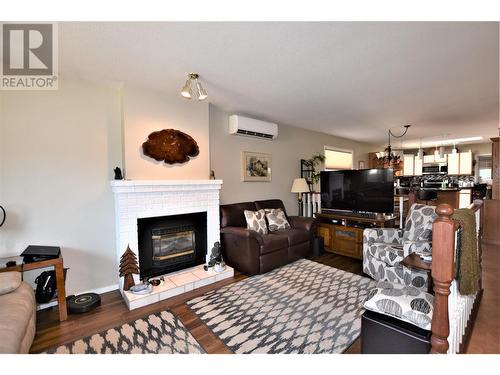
364 190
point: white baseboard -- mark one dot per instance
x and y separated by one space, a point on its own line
102 290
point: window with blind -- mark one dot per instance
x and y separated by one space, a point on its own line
484 164
336 158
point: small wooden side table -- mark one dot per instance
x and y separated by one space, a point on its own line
58 265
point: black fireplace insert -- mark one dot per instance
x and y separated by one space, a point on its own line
171 243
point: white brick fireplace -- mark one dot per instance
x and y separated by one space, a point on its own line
144 199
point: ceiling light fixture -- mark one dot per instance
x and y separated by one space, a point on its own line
187 91
389 157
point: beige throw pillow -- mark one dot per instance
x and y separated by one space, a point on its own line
256 220
276 219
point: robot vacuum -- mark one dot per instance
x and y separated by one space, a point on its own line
83 303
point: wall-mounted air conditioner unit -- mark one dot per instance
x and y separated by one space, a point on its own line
250 127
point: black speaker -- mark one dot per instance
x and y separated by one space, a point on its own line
318 246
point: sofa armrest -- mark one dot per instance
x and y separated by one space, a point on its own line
242 232
301 222
9 282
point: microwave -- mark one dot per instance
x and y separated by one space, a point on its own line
435 169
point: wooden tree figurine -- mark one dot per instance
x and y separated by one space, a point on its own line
128 266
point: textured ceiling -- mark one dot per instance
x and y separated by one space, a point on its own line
353 80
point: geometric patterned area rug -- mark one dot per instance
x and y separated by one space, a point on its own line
157 333
302 307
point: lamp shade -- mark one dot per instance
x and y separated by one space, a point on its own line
300 186
186 90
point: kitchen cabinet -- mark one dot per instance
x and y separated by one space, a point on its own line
428 159
464 198
408 162
465 167
454 163
417 166
433 159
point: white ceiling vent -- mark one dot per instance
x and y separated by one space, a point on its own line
250 127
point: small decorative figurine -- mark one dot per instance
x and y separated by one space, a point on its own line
118 173
216 260
128 267
212 175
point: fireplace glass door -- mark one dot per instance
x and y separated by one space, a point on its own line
172 245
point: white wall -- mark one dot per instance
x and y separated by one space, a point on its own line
146 111
57 153
292 145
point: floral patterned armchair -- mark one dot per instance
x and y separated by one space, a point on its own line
385 248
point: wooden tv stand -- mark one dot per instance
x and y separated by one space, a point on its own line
343 233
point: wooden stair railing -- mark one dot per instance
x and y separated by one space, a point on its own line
443 270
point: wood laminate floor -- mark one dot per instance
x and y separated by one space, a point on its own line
113 312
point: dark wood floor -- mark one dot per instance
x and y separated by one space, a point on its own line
113 312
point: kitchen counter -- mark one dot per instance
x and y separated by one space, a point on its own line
456 197
446 189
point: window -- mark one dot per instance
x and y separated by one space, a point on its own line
484 164
337 158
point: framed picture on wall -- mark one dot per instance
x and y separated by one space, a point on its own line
361 164
255 166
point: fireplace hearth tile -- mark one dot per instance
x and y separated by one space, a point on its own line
204 282
187 280
183 278
167 285
200 273
175 291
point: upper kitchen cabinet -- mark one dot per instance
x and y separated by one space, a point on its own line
465 163
417 166
408 163
428 159
432 158
454 163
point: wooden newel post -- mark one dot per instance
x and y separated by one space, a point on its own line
443 245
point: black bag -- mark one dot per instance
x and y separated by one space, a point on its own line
45 286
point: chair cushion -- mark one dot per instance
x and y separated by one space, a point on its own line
418 226
231 215
256 220
406 303
276 219
390 254
272 243
294 236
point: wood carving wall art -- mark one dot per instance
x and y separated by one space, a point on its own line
171 146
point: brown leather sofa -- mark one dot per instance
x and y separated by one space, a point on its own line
253 253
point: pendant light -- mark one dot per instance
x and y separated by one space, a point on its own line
420 153
441 152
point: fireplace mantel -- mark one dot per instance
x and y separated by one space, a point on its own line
136 199
141 186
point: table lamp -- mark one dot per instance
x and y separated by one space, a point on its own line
300 186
